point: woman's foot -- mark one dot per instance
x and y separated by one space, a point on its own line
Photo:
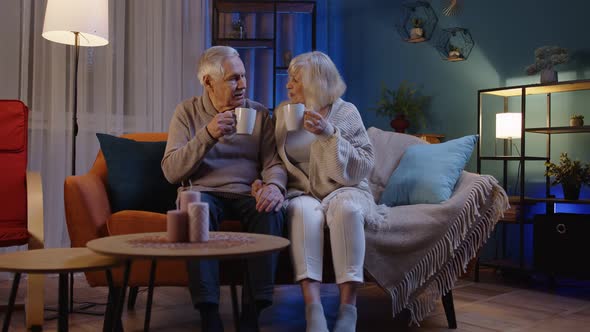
314 315
346 321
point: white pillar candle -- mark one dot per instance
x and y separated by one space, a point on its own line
187 197
177 226
198 222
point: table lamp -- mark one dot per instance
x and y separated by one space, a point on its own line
78 23
508 126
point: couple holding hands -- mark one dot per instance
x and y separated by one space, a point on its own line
274 178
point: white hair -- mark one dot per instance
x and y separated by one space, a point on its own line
322 84
211 62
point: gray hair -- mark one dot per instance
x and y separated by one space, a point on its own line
210 63
322 84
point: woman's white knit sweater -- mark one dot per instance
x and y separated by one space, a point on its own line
340 159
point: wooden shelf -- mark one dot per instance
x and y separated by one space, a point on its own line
536 200
283 17
505 264
430 138
534 89
556 200
265 7
245 43
415 40
559 130
517 158
455 59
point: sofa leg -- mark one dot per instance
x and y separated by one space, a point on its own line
449 306
132 297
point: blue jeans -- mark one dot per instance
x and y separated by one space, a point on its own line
204 274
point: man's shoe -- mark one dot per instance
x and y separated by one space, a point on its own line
210 318
249 316
248 319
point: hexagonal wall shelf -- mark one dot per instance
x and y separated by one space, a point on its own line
455 44
417 22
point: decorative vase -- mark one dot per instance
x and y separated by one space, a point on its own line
400 123
548 76
576 122
571 190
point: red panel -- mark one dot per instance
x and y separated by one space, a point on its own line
13 126
13 166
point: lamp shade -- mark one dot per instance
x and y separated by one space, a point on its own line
508 125
88 17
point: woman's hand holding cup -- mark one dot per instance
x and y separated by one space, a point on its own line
314 122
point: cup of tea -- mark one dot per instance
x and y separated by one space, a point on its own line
294 116
245 120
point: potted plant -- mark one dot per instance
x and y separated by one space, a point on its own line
417 31
576 120
404 106
454 51
546 58
571 174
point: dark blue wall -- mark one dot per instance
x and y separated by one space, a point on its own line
369 51
365 45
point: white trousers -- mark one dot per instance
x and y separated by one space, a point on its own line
347 238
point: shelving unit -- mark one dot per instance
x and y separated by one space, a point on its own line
274 31
523 159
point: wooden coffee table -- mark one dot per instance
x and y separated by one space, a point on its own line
154 246
62 261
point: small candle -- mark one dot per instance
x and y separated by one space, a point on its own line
198 222
187 197
177 226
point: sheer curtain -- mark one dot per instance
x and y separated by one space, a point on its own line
130 85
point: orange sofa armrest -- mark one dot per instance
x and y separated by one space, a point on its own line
87 208
132 221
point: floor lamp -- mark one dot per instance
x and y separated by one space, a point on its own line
78 23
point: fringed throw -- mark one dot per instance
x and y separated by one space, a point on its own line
417 252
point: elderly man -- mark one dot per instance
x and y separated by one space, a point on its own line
205 154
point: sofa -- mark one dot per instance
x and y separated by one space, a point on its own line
415 270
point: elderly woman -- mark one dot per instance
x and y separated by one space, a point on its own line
327 162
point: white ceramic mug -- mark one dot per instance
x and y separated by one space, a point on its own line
246 119
294 116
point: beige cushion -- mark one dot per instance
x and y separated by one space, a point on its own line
389 148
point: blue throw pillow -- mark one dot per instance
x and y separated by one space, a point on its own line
427 173
135 177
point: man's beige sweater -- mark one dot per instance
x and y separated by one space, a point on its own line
227 165
340 159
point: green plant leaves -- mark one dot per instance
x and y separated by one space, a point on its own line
568 171
405 100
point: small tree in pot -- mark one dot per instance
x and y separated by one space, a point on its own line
546 58
404 106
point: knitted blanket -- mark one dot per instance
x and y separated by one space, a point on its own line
417 252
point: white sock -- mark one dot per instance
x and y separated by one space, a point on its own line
314 315
346 321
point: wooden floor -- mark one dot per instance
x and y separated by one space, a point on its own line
495 304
